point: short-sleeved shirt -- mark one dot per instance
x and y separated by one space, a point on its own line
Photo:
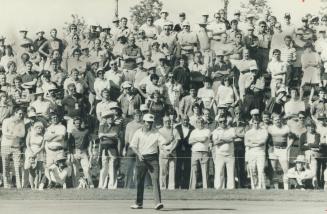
74 106
80 139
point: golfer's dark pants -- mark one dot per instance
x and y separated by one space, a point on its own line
183 169
149 164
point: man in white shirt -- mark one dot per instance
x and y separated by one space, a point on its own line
145 143
255 141
199 139
223 141
54 138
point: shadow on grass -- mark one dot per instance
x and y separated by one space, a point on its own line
195 209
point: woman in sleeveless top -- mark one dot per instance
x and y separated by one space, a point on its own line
34 155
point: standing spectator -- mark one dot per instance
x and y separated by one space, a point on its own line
52 44
311 64
223 141
187 102
129 100
199 139
109 136
278 70
188 41
294 105
131 128
130 53
145 143
55 144
34 154
264 39
13 130
255 140
281 140
79 140
167 157
183 153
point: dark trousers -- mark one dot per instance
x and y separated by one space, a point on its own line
240 164
130 166
321 166
149 164
183 169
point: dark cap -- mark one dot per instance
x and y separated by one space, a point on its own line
287 15
304 19
182 14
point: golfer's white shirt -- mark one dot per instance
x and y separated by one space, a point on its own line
147 143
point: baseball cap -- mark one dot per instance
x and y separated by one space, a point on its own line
126 84
148 117
107 114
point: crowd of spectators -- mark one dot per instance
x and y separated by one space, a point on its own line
237 103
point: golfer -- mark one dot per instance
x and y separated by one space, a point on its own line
145 143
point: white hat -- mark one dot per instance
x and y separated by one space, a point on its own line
254 111
300 158
126 84
250 15
186 23
108 113
148 117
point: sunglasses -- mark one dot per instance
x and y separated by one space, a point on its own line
221 121
301 118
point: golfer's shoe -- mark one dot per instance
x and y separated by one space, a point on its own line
159 206
136 206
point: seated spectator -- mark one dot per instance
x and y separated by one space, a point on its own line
300 176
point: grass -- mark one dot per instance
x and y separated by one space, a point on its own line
125 194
